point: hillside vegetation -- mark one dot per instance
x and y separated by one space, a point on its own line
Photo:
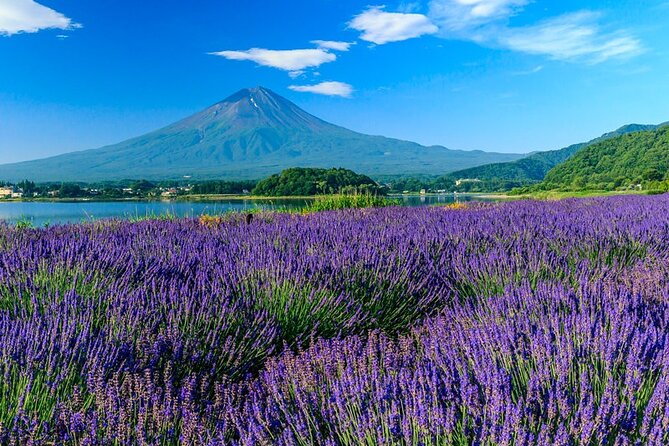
532 168
529 170
307 181
626 161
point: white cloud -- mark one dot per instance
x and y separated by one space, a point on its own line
459 15
288 60
326 88
379 27
333 45
572 37
296 74
408 7
530 71
575 37
27 16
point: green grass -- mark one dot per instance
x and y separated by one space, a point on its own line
24 223
560 195
357 201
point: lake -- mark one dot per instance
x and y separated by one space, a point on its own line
52 213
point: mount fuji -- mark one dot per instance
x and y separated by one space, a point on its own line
249 135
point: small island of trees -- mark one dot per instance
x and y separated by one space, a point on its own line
309 181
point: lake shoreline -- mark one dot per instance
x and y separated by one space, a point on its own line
41 212
233 197
184 198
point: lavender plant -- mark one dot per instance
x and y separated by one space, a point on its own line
507 324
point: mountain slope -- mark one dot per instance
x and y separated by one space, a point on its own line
249 135
621 161
533 168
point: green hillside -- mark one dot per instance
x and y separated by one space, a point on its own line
531 169
304 181
626 161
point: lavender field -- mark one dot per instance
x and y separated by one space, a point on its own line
525 323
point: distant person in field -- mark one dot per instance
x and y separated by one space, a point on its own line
249 219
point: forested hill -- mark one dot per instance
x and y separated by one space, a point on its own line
623 161
533 168
530 169
300 181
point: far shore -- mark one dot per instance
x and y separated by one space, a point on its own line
154 199
231 197
548 195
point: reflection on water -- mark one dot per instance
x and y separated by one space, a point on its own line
51 213
428 200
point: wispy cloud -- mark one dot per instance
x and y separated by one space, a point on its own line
407 7
27 16
529 72
572 37
575 37
326 88
287 60
380 27
296 74
333 45
465 15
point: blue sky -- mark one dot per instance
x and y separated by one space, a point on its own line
498 75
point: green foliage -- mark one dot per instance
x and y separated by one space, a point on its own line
223 187
357 201
150 216
506 176
527 171
100 191
69 190
300 181
302 310
142 186
410 184
633 161
24 223
28 187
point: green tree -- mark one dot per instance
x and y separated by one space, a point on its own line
28 187
309 181
70 190
653 174
142 186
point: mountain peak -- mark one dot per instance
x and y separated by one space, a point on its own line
255 93
254 108
249 135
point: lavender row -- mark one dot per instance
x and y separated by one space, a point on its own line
502 324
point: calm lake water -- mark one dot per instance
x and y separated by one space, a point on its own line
48 213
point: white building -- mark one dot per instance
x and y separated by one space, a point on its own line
467 180
10 192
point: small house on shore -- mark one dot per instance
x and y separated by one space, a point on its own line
169 193
10 192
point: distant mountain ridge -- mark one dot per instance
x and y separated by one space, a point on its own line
250 135
534 168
